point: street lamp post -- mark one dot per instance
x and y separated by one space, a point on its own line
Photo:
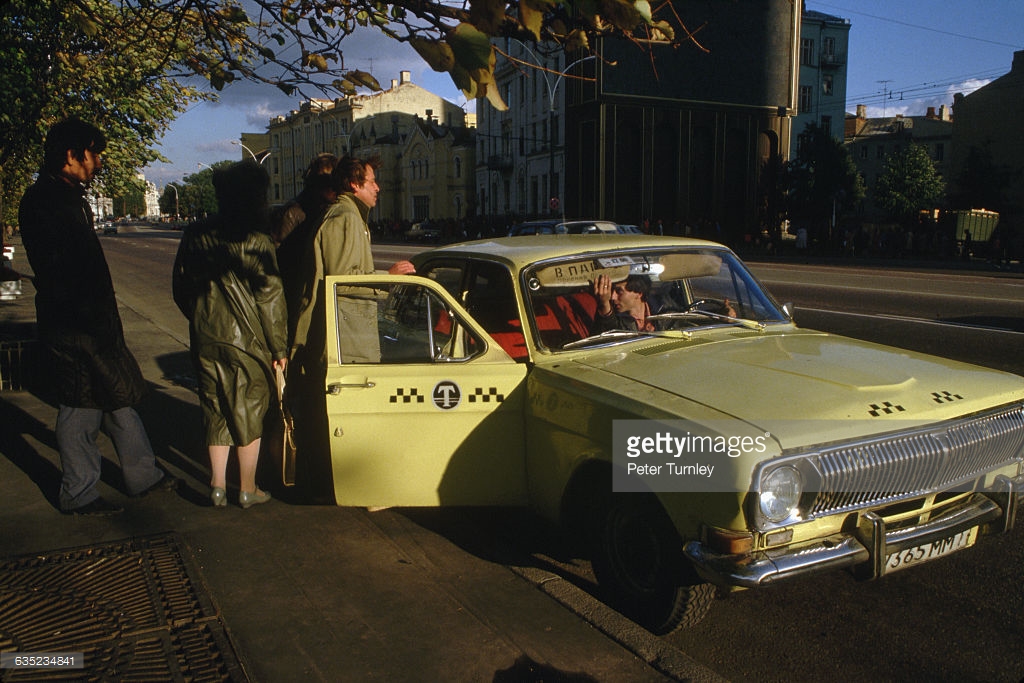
253 155
172 186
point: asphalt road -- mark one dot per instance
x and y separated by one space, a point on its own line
957 619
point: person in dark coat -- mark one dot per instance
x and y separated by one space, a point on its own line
293 226
226 282
97 380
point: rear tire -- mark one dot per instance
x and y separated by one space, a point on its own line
638 559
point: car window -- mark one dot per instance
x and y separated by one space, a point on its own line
400 323
448 276
490 298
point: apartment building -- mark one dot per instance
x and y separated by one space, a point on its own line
989 120
410 128
823 59
871 141
521 152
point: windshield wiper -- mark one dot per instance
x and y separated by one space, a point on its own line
627 334
744 322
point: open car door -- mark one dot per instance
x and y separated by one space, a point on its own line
423 407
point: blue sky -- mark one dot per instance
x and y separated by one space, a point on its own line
904 57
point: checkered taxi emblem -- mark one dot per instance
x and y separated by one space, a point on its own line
481 395
884 408
946 397
411 395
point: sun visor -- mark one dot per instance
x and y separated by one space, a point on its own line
683 266
582 273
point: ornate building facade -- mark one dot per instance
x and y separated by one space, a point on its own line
425 144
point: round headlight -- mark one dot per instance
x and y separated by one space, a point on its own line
780 493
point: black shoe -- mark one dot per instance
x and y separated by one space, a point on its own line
97 508
165 483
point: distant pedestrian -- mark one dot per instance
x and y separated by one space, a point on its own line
226 283
97 380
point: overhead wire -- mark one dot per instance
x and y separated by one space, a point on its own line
935 88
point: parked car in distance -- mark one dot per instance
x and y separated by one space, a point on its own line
630 229
106 228
713 446
555 227
8 252
422 232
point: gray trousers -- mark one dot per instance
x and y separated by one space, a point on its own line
80 457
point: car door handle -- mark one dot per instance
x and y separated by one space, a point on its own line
334 388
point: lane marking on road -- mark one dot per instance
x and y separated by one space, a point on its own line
910 319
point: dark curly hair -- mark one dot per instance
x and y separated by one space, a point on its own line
71 134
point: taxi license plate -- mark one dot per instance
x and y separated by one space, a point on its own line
929 551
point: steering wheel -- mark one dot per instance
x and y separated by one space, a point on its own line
712 305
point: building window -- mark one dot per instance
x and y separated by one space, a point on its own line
826 84
806 51
458 167
420 207
880 153
828 49
826 125
805 98
863 151
940 152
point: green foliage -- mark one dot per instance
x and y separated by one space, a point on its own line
909 183
89 59
821 181
131 200
196 197
116 62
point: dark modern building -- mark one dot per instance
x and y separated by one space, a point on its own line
684 135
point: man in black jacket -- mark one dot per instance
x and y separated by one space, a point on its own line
97 378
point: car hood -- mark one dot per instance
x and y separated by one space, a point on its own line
803 385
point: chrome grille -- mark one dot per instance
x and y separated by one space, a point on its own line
951 456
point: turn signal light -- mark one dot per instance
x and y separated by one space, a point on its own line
730 542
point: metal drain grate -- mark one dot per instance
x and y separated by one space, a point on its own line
136 609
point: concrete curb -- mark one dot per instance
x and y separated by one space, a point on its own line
658 654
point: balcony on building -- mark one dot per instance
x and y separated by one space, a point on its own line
831 61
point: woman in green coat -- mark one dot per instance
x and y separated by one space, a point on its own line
227 284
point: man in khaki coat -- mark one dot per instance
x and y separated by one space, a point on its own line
341 246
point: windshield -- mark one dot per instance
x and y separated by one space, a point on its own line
579 301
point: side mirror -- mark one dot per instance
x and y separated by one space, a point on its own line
787 308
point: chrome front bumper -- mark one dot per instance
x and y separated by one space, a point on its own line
995 511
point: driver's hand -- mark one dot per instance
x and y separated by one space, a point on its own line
601 288
729 310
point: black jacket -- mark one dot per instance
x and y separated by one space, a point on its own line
76 311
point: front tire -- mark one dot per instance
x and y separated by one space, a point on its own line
638 559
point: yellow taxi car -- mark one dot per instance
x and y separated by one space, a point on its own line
710 445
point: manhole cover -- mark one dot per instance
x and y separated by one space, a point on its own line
136 609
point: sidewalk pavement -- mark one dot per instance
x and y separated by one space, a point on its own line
318 593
